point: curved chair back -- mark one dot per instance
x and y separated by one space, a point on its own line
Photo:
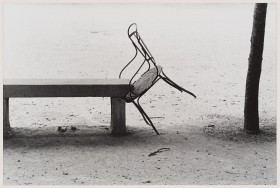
139 87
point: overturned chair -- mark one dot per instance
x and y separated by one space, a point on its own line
151 76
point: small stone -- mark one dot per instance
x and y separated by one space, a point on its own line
73 128
147 181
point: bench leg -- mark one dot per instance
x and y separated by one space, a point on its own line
6 121
117 126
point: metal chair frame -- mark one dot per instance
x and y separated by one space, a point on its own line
141 47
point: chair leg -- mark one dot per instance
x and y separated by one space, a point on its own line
173 84
141 112
145 116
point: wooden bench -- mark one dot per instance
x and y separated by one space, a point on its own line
116 89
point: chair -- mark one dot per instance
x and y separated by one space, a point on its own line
151 76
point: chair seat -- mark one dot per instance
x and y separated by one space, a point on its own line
144 83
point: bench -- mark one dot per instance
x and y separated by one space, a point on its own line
116 89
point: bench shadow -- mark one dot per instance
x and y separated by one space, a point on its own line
86 136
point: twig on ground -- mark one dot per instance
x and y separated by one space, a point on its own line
159 151
232 172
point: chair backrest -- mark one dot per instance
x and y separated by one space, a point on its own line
140 47
151 72
138 42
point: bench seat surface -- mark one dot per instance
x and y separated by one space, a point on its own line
65 88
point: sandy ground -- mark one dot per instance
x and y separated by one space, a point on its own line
222 154
204 135
208 148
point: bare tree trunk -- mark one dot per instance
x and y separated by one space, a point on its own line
251 114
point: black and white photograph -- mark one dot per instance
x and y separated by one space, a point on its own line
159 93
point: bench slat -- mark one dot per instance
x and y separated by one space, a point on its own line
66 81
65 88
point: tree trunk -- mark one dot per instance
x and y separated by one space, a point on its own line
251 114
